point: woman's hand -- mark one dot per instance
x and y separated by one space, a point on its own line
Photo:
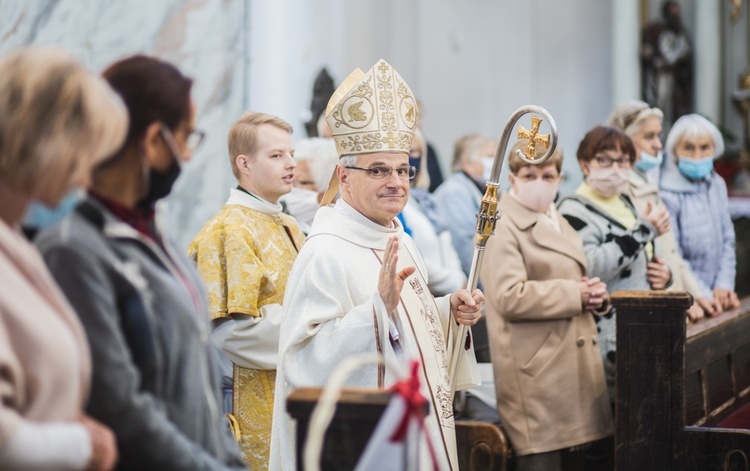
390 281
103 445
467 308
696 312
727 298
593 293
658 273
711 307
658 217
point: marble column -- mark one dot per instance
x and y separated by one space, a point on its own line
707 48
625 51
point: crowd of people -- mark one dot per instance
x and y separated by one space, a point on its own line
118 351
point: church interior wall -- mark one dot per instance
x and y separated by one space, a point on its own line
471 63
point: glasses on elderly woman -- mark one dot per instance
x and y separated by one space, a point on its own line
606 162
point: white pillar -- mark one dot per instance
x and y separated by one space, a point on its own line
625 51
270 27
707 50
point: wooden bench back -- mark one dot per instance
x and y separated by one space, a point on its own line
717 366
651 431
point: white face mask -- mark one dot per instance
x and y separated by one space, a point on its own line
302 204
487 163
536 195
608 182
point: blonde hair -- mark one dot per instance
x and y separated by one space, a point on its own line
630 115
244 132
516 163
423 178
55 118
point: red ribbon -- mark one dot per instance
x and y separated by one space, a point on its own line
408 389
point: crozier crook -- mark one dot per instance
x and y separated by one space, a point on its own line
488 215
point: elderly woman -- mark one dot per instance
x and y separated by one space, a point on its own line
58 121
551 392
426 226
617 237
696 197
643 125
141 302
458 197
316 160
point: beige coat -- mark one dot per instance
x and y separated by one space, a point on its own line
642 192
549 377
43 352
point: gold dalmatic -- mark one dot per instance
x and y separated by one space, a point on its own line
244 258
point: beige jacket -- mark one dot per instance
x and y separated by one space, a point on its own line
44 357
549 377
642 192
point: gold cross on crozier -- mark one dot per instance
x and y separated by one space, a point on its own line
533 136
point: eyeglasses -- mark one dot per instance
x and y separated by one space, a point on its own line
380 173
606 162
192 142
195 139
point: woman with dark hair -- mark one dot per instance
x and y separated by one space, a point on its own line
617 238
155 380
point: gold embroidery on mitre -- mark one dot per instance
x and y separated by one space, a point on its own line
373 111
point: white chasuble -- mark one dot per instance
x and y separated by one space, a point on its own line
332 310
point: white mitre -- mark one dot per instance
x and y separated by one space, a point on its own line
373 111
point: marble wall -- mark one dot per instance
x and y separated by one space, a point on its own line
206 39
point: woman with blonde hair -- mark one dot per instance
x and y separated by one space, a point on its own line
56 122
643 125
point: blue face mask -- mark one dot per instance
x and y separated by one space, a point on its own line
39 216
415 162
648 162
695 169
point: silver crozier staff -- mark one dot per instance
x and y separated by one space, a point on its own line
488 215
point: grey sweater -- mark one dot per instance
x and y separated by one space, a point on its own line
614 253
154 375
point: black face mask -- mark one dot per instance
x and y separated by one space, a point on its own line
160 183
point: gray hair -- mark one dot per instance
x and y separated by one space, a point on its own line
630 115
348 161
321 156
693 126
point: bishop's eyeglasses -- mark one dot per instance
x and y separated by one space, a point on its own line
382 172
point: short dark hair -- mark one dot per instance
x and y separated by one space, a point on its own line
604 138
153 90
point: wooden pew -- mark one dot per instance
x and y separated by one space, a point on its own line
717 367
481 446
652 391
357 415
